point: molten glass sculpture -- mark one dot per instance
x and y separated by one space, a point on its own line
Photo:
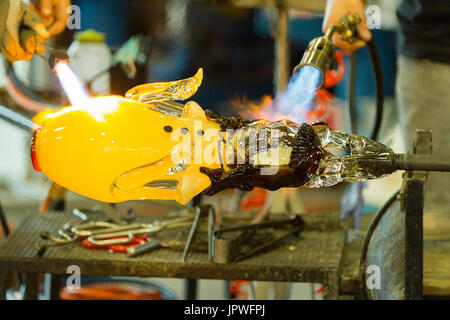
148 146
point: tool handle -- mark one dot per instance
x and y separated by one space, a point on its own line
143 248
27 39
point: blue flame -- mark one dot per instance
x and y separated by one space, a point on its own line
298 98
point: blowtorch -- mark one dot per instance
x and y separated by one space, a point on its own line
58 61
321 50
29 41
319 56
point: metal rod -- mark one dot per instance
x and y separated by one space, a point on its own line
191 234
422 162
295 221
268 244
416 162
282 68
16 118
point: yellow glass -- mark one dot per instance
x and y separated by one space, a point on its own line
115 149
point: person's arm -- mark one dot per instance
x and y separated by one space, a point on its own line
41 20
16 17
337 9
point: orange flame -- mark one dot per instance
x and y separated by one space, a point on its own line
265 109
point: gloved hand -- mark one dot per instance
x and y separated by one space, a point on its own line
337 9
16 17
54 13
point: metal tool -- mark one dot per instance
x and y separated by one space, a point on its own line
92 227
191 233
111 212
154 244
120 234
42 248
409 161
117 244
211 229
199 211
321 50
268 244
98 237
65 239
228 242
80 214
28 40
144 248
107 235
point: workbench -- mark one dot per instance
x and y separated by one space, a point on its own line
320 254
313 256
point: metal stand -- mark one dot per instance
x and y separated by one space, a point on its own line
3 222
414 239
412 204
52 285
282 68
190 289
31 286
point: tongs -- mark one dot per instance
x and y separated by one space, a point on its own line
226 245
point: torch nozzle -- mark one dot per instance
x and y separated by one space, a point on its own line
57 56
321 50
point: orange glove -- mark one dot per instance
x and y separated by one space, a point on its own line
15 17
54 13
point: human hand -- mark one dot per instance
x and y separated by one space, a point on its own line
336 9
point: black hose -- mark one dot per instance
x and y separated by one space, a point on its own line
376 65
351 92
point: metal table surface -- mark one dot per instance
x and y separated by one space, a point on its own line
314 256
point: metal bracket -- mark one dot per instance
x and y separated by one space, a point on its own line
412 204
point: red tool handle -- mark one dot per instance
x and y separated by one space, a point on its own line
137 240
